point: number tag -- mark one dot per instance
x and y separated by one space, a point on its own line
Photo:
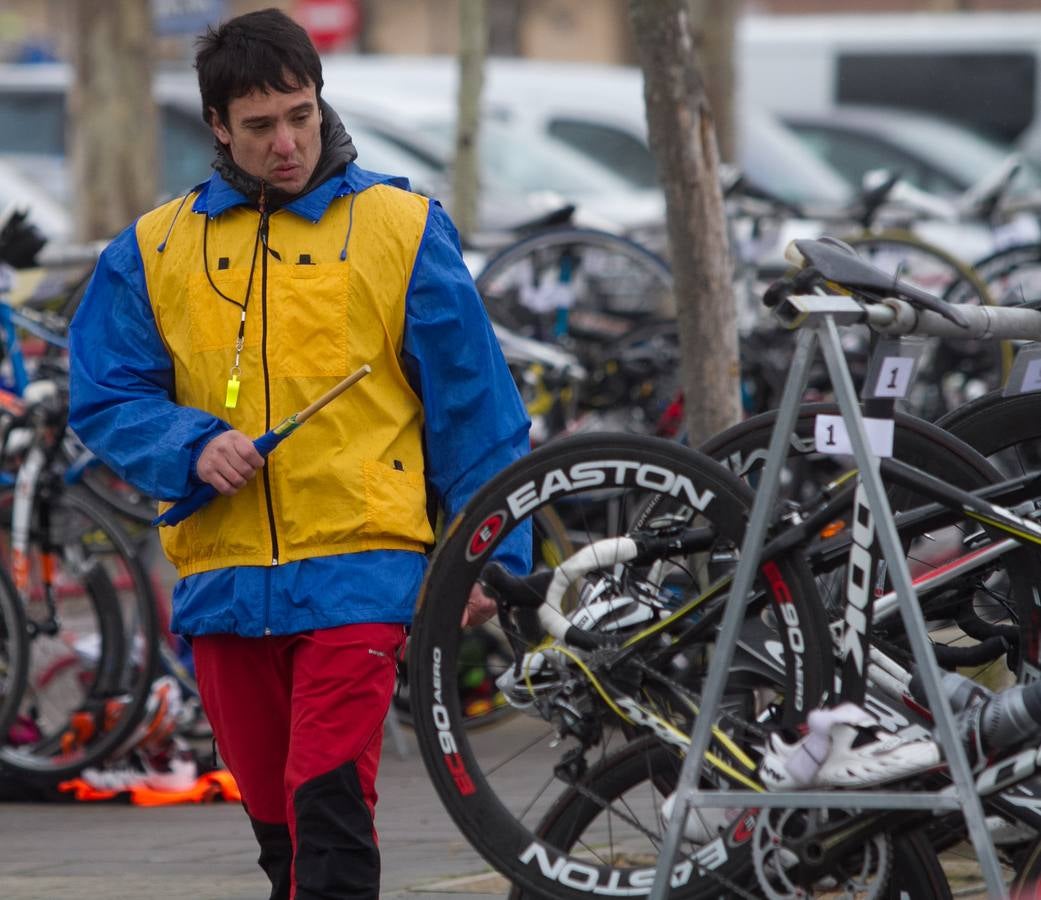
1025 375
832 437
892 369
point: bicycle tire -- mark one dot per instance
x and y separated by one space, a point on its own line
105 584
606 286
14 654
483 705
924 445
576 820
1012 274
466 769
1027 881
1003 429
950 269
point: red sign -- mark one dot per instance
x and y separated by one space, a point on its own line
332 24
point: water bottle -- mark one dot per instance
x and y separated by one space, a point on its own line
989 722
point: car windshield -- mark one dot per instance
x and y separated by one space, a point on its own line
529 164
381 153
45 173
966 154
775 159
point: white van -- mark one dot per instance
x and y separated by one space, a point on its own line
983 69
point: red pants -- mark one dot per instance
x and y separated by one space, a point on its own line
296 718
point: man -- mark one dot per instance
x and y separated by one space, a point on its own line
207 322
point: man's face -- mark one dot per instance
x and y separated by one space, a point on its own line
273 136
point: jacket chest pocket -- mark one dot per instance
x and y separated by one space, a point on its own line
307 321
215 310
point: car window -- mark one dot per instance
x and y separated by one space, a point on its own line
966 154
381 153
856 154
32 122
615 148
186 149
530 164
773 158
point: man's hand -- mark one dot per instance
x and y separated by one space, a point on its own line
479 608
228 462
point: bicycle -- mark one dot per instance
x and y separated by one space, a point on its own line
91 612
576 286
560 680
89 607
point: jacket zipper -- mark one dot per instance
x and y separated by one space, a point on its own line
267 402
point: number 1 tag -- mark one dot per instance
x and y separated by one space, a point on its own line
892 368
832 437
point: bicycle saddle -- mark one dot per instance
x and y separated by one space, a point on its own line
836 261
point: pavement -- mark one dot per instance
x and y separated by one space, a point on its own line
207 852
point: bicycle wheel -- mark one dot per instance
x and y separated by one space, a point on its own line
596 817
14 655
1012 275
950 372
94 638
1027 883
994 600
579 286
633 381
1007 430
661 615
484 653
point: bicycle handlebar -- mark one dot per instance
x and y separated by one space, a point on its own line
545 592
889 305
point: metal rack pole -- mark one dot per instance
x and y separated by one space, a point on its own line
733 615
914 621
823 328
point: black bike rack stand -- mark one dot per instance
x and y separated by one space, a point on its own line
820 325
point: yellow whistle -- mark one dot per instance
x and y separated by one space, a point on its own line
231 399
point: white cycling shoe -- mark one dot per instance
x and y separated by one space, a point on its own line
844 747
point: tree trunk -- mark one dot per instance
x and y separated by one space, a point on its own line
112 116
682 135
473 41
715 22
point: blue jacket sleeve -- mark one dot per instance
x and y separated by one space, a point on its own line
475 423
121 382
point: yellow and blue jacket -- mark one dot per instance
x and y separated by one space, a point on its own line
334 529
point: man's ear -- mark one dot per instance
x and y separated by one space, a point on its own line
219 131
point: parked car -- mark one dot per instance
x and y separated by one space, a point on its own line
979 69
523 177
931 153
37 184
33 121
596 110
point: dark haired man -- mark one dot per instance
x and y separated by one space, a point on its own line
209 320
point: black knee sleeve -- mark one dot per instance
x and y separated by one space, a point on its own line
276 855
336 853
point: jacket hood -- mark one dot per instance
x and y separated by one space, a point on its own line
337 151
